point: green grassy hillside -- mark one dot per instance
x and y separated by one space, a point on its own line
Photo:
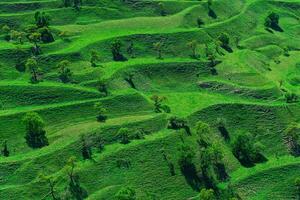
223 70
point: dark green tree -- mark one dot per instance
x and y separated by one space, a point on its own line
64 73
272 21
5 151
126 193
246 150
35 132
101 110
116 51
123 135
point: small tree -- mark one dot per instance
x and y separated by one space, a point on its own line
162 9
123 135
101 116
32 66
179 123
35 133
207 194
41 19
158 46
224 40
51 183
158 107
67 3
291 138
34 38
186 156
86 149
102 87
193 45
130 49
272 21
126 193
77 4
64 73
200 22
5 151
74 190
297 184
246 150
94 58
116 51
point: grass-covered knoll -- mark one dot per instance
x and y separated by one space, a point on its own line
152 99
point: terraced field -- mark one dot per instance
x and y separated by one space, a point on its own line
172 50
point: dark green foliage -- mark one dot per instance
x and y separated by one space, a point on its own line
179 123
207 194
86 149
291 97
102 87
291 139
200 22
224 42
186 156
46 35
101 116
64 73
116 51
94 58
246 150
297 185
35 133
158 106
67 3
272 21
5 151
123 135
41 19
221 125
126 193
32 66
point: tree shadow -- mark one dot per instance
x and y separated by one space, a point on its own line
224 132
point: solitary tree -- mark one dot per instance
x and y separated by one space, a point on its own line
94 58
272 21
101 116
77 4
74 189
200 22
158 106
35 38
291 138
207 194
35 132
64 73
224 40
86 149
32 66
246 150
41 19
116 51
186 156
5 151
158 46
193 45
126 193
51 183
123 135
